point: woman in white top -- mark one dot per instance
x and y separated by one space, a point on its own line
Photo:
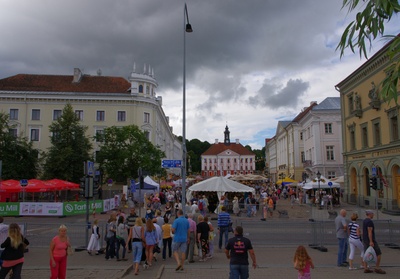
354 240
94 242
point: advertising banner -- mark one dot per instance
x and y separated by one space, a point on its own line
40 209
9 209
75 208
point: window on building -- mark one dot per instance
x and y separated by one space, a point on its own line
57 114
308 133
100 115
13 132
234 160
13 114
121 116
100 135
146 117
330 155
351 104
229 161
147 90
301 135
331 174
36 114
140 88
394 127
147 134
377 132
34 134
303 157
328 128
364 136
79 114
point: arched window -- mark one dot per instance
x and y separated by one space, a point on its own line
140 88
147 90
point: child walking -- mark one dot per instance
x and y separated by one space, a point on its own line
302 262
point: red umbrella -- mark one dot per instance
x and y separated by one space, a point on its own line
10 186
36 185
63 184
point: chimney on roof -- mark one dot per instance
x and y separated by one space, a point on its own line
77 75
237 141
313 102
216 141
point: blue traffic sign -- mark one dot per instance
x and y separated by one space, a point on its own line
374 171
90 168
23 182
171 163
330 184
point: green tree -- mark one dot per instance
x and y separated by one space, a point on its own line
19 158
368 25
69 147
195 148
124 149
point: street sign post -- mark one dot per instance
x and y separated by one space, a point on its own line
171 163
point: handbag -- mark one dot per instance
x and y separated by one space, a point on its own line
230 228
370 255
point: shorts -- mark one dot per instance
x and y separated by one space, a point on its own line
376 247
179 247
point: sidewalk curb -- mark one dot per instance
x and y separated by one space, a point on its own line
160 271
127 271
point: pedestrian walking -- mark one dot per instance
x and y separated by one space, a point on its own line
151 238
136 235
13 253
120 238
203 230
3 235
302 262
237 251
167 239
192 238
58 254
341 235
211 237
355 241
111 229
130 222
180 229
94 242
224 219
370 240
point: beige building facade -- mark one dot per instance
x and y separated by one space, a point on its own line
371 139
33 102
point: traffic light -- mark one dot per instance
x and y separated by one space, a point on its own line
373 183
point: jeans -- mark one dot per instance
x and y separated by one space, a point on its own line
167 243
223 231
137 250
110 248
190 249
238 271
16 271
121 241
342 252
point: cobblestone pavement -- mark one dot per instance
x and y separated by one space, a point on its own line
273 262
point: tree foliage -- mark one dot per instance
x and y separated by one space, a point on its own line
19 158
368 25
195 148
69 147
123 150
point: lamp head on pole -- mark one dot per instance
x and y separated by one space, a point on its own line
188 28
318 175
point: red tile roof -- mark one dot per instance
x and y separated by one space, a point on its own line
217 148
304 112
54 83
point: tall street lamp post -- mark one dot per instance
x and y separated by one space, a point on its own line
186 28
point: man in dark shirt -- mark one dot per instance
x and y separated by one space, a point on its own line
369 240
236 250
203 230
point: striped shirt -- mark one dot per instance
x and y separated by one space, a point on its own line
224 219
353 230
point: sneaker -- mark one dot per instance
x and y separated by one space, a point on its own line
352 268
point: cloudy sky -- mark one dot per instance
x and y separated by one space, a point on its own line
249 63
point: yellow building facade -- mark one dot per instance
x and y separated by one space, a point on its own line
371 139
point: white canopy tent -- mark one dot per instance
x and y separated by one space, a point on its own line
219 184
151 182
324 183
